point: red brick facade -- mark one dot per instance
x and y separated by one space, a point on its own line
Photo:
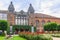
33 18
11 18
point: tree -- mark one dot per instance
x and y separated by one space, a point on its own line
58 27
50 27
3 25
46 26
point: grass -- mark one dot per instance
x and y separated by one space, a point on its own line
2 37
18 38
12 38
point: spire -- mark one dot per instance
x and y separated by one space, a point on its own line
30 9
11 7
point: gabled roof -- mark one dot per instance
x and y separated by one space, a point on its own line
3 11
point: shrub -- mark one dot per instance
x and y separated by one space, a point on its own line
8 30
45 37
58 27
23 27
3 25
36 37
50 27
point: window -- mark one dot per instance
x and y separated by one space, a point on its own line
37 23
16 21
3 16
43 22
21 20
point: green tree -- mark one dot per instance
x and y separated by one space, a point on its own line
3 25
46 26
58 27
50 27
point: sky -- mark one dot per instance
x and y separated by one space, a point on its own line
49 7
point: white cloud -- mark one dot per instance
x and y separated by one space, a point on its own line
50 7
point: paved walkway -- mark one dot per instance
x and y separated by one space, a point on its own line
56 38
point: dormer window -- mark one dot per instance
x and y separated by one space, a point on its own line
21 11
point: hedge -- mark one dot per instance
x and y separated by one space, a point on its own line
24 27
51 27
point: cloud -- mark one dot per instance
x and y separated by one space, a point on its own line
50 7
4 4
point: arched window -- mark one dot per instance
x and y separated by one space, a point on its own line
48 21
43 22
37 23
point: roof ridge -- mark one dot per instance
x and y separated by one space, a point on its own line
45 15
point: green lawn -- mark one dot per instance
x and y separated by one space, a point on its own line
18 38
2 38
13 38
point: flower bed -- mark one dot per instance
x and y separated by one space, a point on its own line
34 36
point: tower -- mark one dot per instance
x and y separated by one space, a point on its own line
11 7
31 9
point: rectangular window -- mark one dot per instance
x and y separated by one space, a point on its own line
21 21
3 16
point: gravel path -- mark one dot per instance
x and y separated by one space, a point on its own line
55 38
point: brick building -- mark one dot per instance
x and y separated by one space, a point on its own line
26 18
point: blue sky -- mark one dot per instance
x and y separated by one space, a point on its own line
50 7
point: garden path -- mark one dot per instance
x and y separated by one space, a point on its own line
56 38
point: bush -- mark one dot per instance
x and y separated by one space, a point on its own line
50 27
8 30
3 25
45 37
36 37
58 27
23 27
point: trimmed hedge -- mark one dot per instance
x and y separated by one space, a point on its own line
24 27
51 27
